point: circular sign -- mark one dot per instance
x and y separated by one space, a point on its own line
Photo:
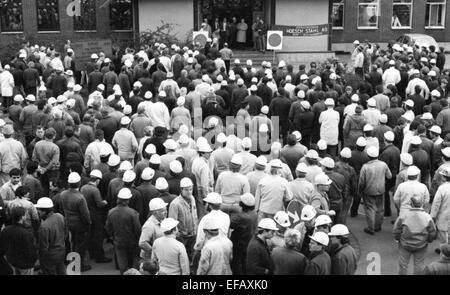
274 40
200 39
294 210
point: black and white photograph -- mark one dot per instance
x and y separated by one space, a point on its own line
217 139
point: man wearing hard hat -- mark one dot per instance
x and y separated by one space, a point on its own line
244 226
259 261
343 257
152 227
123 226
52 237
169 253
184 209
320 261
217 252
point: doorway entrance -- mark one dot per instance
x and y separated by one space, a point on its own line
248 10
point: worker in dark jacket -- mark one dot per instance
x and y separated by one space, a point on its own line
358 159
244 227
96 206
441 267
57 83
287 260
338 186
123 226
17 244
259 261
320 262
77 217
52 239
343 257
31 79
391 156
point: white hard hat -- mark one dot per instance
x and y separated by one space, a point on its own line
308 213
298 135
355 98
125 120
148 95
186 182
436 129
371 102
161 184
339 230
253 88
155 159
176 167
181 101
346 153
137 84
367 128
312 154
128 63
247 143
265 110
301 94
282 218
184 139
221 138
435 93
321 238
329 102
392 62
70 85
322 179
127 110
30 97
125 166
416 140
389 136
129 176
74 177
276 164
322 145
113 160
261 160
248 200
77 88
304 77
94 56
96 173
213 198
205 148
44 203
239 82
210 224
157 204
432 73
168 224
410 103
302 168
322 220
413 171
267 223
407 159
373 152
147 174
237 160
383 119
282 64
18 98
125 194
70 103
162 94
327 162
362 142
427 116
170 144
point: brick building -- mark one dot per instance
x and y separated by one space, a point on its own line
46 21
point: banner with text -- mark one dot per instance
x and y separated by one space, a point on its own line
300 31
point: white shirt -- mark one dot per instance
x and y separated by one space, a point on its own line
329 128
92 155
391 77
159 114
410 90
6 84
372 116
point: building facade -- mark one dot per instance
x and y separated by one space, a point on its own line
121 21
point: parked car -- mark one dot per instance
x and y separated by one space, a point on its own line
421 40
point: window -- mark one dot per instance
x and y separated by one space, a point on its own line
87 21
435 14
121 15
402 14
48 15
368 14
337 14
11 16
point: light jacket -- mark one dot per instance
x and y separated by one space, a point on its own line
372 178
414 229
440 209
216 256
